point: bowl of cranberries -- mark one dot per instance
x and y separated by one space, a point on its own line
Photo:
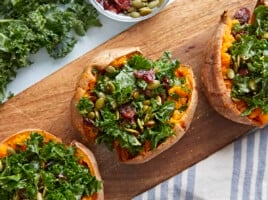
129 10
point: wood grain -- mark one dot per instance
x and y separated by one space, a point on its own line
184 28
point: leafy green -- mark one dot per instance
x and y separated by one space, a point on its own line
50 169
28 26
249 54
132 112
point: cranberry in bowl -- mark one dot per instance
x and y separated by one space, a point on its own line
129 10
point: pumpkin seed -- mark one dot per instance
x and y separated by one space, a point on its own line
153 4
134 14
99 103
252 85
159 100
160 3
97 114
145 11
153 85
110 69
150 123
146 102
39 196
140 123
145 108
91 115
135 132
138 4
110 87
230 73
1 166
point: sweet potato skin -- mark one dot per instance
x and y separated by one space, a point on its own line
214 87
103 60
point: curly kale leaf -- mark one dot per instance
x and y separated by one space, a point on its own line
27 26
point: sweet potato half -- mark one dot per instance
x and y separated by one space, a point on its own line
18 141
233 76
133 120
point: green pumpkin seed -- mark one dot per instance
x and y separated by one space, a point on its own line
150 123
146 102
145 11
135 132
39 196
110 87
153 85
99 103
1 166
230 73
153 4
97 114
160 3
159 100
91 115
110 69
252 85
134 14
138 4
140 123
101 94
145 108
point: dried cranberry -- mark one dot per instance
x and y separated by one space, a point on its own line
147 75
88 122
127 111
148 92
242 15
243 71
123 4
166 82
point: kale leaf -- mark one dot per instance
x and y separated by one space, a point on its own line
28 26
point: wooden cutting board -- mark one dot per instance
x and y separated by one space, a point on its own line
184 28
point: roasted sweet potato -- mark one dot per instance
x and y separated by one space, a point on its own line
132 105
38 156
234 74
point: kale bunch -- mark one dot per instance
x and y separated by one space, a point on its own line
26 26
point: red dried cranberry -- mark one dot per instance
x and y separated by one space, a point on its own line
147 75
123 4
242 15
166 82
243 71
127 111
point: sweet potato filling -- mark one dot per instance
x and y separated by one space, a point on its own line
185 94
227 41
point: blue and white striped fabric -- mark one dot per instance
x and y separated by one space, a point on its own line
237 172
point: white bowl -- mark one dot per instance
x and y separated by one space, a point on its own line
124 18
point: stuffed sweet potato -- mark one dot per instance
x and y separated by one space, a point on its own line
134 105
34 164
235 77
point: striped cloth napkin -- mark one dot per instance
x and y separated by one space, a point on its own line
237 172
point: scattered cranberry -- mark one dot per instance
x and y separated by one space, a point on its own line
127 111
242 15
166 82
147 75
243 71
